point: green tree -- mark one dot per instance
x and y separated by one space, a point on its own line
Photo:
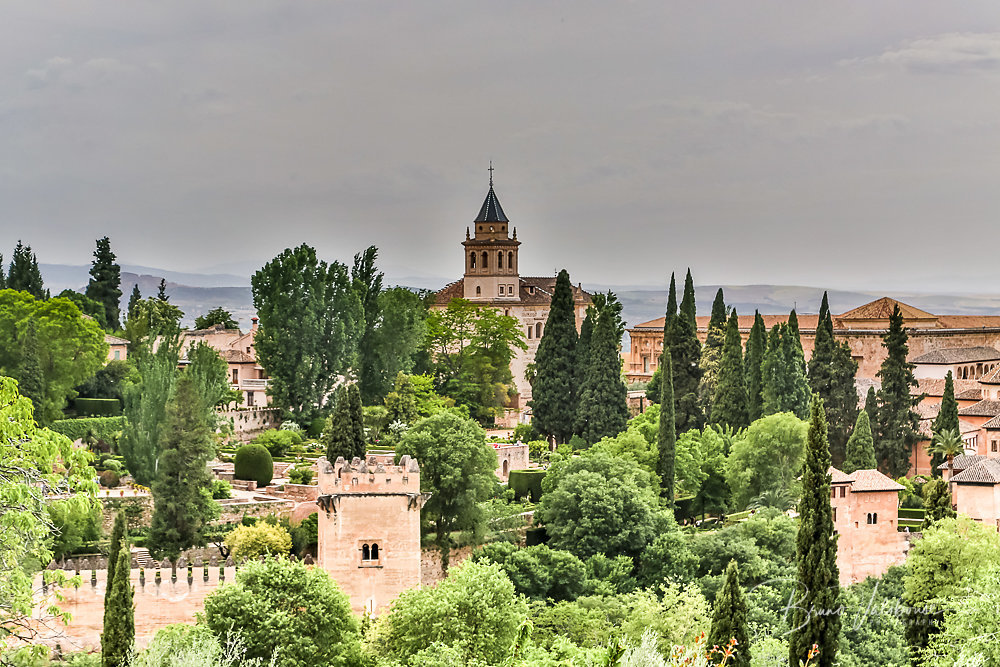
754 359
583 350
831 375
946 420
603 406
118 635
871 407
110 381
667 434
213 317
146 408
250 542
344 432
947 444
30 379
133 300
105 284
413 398
310 322
182 492
537 572
937 501
554 396
711 353
798 385
729 618
860 446
729 407
785 386
150 320
23 274
210 374
768 455
3 275
681 336
284 610
87 306
161 291
898 423
119 539
814 619
366 281
72 525
968 634
396 341
457 467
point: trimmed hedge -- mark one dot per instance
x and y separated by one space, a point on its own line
254 462
526 484
912 513
104 428
98 407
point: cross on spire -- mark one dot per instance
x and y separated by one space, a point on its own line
491 173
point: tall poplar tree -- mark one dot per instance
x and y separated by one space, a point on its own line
603 409
685 350
667 435
860 446
752 363
729 406
30 379
729 618
898 423
182 511
946 420
24 274
554 397
105 284
814 618
118 635
145 407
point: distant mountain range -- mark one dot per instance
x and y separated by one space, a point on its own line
197 293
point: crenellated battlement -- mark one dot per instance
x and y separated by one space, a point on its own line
368 476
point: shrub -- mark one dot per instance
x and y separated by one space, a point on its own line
254 462
305 536
576 443
104 428
526 484
221 489
277 441
109 479
525 433
98 407
300 475
316 428
250 542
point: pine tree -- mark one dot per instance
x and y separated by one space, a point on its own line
31 380
898 423
119 626
729 618
831 375
118 540
946 420
344 431
105 283
553 391
24 274
729 407
681 336
603 409
667 434
181 509
860 446
756 347
818 593
133 301
161 292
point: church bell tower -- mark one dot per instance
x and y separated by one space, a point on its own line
491 254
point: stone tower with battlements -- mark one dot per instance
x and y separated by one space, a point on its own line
369 529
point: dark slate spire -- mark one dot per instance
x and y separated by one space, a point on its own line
491 210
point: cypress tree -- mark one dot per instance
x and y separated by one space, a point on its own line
860 446
898 423
118 540
946 420
582 353
831 375
798 385
756 347
671 301
553 391
667 435
603 409
654 388
182 511
871 407
729 618
24 274
105 282
3 276
356 413
341 435
814 617
729 406
30 379
133 301
821 362
685 349
119 626
717 323
711 354
688 308
773 374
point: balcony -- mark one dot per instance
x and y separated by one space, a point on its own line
251 384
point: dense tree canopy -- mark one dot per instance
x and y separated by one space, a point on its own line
216 316
24 274
554 390
603 407
105 286
768 456
897 422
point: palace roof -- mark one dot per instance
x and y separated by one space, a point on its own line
958 355
984 408
532 290
864 480
985 471
881 309
491 210
962 461
935 387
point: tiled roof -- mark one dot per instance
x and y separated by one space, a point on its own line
114 340
531 291
872 480
237 357
962 461
986 471
881 309
838 477
993 377
491 210
958 355
993 424
969 321
807 323
927 410
984 408
970 394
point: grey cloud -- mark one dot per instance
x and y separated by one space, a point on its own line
950 52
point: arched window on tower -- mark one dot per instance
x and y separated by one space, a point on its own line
486 260
538 329
510 260
374 553
365 552
479 290
500 259
472 259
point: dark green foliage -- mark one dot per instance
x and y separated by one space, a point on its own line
729 407
109 479
681 336
74 525
24 274
860 446
666 437
554 396
717 323
133 300
3 275
946 420
278 441
603 409
30 379
871 407
146 408
783 373
729 618
752 363
344 434
254 462
897 422
119 538
161 292
537 572
366 281
107 429
607 302
310 322
182 497
798 385
210 374
105 283
98 407
216 316
526 483
109 381
937 501
119 617
87 306
583 349
831 375
816 553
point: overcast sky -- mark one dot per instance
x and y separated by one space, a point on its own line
837 144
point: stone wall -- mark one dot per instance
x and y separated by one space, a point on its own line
510 457
865 549
235 509
248 423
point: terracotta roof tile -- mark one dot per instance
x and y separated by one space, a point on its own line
993 423
984 408
970 394
838 477
881 309
114 340
957 355
872 480
962 461
993 377
985 471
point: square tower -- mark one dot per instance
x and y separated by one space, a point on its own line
491 255
369 529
